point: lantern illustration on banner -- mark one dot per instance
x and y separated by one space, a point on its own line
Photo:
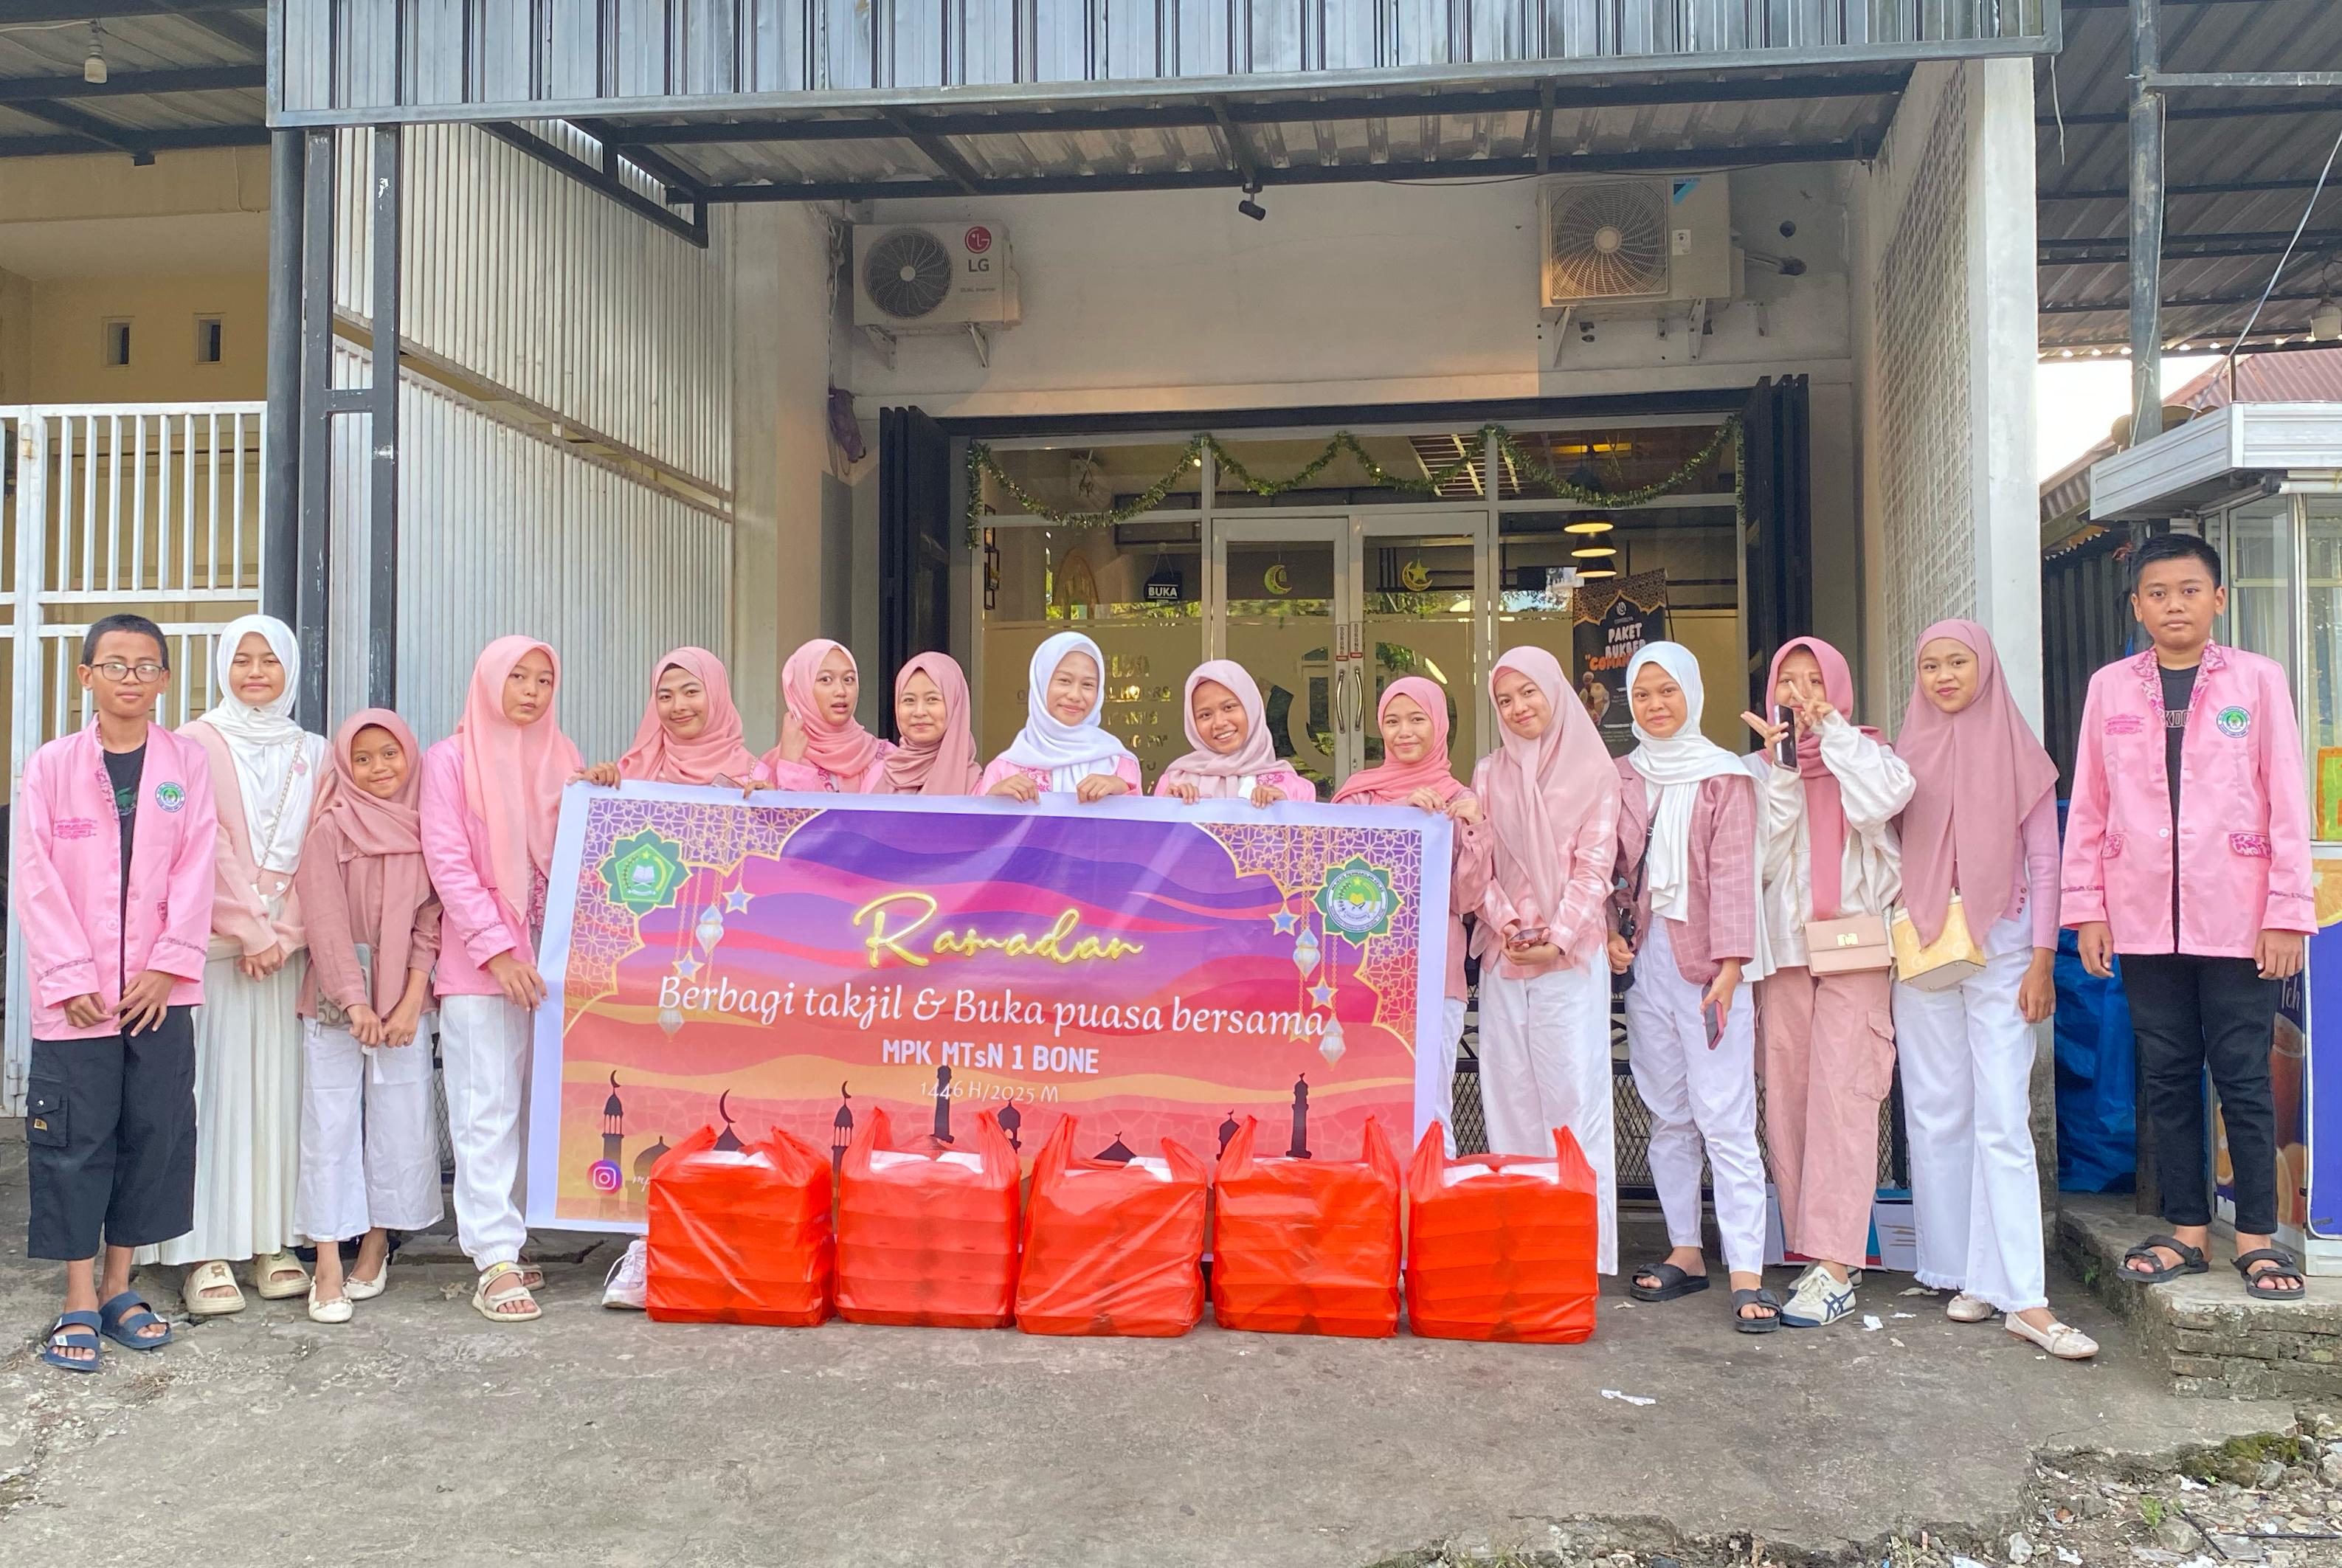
669 1021
709 931
1305 951
1331 1047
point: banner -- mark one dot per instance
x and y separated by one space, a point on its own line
1160 969
1611 628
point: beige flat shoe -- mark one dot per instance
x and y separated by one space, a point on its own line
278 1277
336 1311
366 1289
2061 1340
1965 1308
202 1277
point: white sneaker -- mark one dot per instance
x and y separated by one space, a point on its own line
629 1278
1817 1301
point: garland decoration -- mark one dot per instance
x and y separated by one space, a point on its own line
1527 468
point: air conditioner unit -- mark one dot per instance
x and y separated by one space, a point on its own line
920 277
1635 245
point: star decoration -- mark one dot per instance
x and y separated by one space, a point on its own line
735 900
686 966
1321 995
1283 922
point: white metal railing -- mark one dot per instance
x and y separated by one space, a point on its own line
147 508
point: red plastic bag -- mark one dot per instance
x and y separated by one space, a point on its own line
1501 1246
1113 1248
927 1232
1307 1246
740 1236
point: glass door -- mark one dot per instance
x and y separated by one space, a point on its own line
1275 598
1420 612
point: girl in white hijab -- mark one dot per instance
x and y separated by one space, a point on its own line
267 771
1684 925
1063 747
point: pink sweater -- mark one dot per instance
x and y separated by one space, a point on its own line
1720 867
1124 768
81 934
342 900
241 924
476 920
1502 896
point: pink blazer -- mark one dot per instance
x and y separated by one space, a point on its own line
2243 850
1124 768
80 936
786 774
1499 890
1721 869
1279 776
476 920
241 924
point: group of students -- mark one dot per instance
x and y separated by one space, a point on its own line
262 948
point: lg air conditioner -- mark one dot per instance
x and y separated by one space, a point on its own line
938 276
1635 245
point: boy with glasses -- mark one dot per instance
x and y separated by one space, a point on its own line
112 882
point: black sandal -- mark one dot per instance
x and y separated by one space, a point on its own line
1759 1298
2284 1264
1674 1283
2191 1262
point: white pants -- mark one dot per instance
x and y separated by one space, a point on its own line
484 1054
1967 1101
1438 1099
1544 1062
1698 1096
369 1152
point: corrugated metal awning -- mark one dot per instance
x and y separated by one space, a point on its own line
193 75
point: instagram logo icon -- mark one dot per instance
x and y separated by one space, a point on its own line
606 1176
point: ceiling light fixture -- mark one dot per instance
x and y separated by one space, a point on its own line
1589 525
1593 553
93 69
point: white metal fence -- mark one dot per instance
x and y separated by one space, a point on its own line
147 508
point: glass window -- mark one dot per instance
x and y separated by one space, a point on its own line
1615 461
1093 478
2259 565
2323 609
1136 589
1451 459
1416 595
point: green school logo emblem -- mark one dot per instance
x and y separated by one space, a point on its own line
642 872
1357 901
2233 723
170 796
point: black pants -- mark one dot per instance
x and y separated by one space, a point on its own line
2191 1013
110 1130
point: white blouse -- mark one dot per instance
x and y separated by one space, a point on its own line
1874 786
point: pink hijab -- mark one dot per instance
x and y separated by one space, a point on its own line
947 767
1824 811
1256 755
1979 773
381 849
1395 781
844 750
1540 792
513 774
718 749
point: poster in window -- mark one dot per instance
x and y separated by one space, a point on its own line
1614 621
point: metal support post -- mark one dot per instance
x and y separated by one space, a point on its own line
314 543
2146 228
280 481
382 512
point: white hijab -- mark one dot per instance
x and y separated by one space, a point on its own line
1071 753
278 761
1673 768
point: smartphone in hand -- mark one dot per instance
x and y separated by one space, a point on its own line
1712 1014
1785 751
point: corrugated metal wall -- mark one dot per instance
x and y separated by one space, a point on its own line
447 51
547 290
503 530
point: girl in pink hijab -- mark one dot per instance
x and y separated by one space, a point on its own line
1234 756
1826 841
1414 771
691 732
937 754
1540 885
1981 832
824 747
491 804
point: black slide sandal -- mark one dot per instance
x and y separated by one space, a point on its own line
2191 1262
1674 1283
2284 1264
1763 1298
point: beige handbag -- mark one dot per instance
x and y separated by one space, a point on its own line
1855 944
1940 965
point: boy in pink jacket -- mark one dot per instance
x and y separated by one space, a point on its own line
2187 852
112 879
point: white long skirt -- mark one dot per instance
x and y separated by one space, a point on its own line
247 1117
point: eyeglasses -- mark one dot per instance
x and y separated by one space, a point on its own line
115 670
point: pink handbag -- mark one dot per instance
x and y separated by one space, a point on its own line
1851 945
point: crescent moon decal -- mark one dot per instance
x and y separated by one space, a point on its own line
1276 579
